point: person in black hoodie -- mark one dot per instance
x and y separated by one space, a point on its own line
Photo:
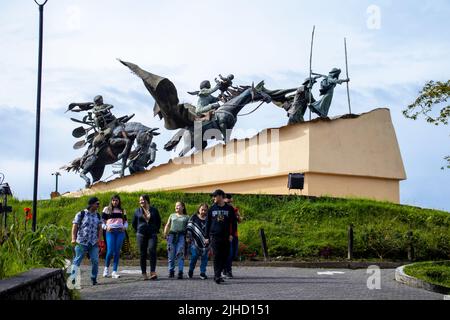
146 223
220 228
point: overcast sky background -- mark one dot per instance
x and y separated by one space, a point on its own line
391 55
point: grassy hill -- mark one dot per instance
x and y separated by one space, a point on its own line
295 227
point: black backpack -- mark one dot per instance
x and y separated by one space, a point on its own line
83 213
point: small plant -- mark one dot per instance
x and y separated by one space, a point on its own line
24 249
28 215
245 253
384 240
325 252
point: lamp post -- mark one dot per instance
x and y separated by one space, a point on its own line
38 112
56 174
5 191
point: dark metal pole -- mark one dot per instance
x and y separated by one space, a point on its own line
410 246
5 204
264 244
350 243
346 68
38 113
56 174
310 69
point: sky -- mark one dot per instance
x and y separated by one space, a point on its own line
394 48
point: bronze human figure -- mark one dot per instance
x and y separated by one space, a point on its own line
178 115
109 139
327 85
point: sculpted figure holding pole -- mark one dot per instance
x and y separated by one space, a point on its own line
327 85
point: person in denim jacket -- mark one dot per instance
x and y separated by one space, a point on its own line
175 233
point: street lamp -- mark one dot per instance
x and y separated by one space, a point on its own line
57 175
5 191
38 111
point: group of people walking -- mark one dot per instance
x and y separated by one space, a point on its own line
211 228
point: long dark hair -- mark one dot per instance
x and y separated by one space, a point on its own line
184 207
202 205
146 198
110 207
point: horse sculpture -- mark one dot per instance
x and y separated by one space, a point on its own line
118 147
181 116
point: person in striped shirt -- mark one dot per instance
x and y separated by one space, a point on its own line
115 223
196 233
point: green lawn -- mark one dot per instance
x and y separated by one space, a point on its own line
433 272
295 227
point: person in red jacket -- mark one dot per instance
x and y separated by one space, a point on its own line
234 244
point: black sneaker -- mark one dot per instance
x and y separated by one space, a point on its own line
180 275
203 276
172 274
217 280
229 275
221 279
94 281
190 274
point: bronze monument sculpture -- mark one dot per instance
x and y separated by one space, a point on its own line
182 116
111 140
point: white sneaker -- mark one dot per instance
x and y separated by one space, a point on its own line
105 272
115 275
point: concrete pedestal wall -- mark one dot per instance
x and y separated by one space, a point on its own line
345 157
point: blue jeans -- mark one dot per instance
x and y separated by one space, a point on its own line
234 246
114 240
175 252
194 257
80 250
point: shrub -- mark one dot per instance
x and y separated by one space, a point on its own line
23 250
384 240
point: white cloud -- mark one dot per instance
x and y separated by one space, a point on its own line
189 41
73 21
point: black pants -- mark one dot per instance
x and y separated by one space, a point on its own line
221 250
147 247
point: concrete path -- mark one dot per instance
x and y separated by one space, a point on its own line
254 283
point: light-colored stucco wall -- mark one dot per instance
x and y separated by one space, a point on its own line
344 157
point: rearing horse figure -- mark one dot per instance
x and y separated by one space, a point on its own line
115 149
224 119
182 116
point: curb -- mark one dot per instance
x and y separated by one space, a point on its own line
290 264
402 277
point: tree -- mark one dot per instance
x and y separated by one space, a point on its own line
433 94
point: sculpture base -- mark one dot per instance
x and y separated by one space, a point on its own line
352 156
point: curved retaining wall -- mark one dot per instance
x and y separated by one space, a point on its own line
36 284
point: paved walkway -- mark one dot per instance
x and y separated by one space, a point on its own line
253 283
